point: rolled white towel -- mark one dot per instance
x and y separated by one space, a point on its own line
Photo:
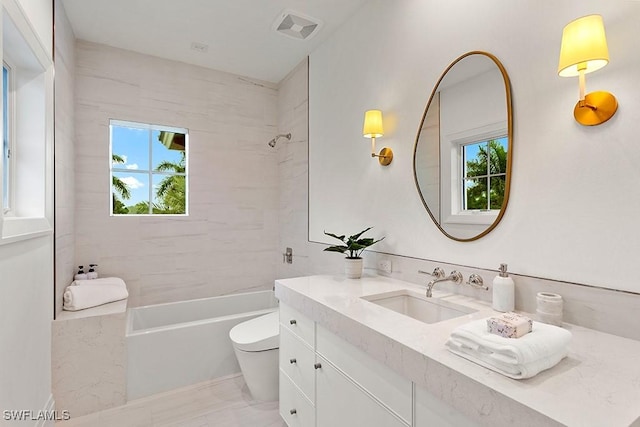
518 358
89 295
116 281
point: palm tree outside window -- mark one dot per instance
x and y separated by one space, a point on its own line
148 169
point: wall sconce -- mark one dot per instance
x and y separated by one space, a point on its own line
373 129
584 50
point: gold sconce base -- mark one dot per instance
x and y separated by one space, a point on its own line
385 157
597 108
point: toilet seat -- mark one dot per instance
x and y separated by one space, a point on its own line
258 334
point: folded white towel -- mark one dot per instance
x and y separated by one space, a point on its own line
101 281
90 295
518 358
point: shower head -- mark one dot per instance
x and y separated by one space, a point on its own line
272 143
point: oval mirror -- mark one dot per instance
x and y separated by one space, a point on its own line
462 155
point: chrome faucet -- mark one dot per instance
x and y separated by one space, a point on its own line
438 273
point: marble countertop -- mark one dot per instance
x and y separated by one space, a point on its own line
598 384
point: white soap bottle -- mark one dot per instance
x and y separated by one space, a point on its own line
80 275
92 273
503 291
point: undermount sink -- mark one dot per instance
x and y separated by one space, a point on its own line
418 306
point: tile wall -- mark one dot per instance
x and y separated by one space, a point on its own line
227 244
64 153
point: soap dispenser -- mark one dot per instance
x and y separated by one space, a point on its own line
503 291
92 273
80 275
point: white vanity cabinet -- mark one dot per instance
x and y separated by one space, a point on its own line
327 382
341 402
297 372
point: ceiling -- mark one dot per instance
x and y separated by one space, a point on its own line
238 33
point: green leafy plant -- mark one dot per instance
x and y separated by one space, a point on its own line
354 245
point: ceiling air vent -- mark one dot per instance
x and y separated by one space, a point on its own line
296 25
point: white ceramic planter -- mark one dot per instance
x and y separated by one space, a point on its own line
353 268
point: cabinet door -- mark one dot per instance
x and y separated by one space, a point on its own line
431 411
295 409
340 403
297 360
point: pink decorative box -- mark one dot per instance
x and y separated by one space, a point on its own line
509 325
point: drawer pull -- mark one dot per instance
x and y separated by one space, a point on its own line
292 361
293 411
292 321
317 366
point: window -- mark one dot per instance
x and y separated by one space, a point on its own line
26 171
6 139
148 169
484 166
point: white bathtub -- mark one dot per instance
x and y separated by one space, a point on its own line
177 344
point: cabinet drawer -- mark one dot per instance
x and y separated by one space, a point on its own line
295 409
341 403
298 323
382 382
297 360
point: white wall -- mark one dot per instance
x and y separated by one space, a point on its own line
65 152
572 210
228 242
26 281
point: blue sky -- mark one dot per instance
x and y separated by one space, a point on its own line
133 145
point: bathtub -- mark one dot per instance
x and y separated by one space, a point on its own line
177 344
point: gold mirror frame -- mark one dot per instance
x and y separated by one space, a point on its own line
507 88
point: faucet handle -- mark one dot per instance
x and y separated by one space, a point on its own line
456 277
475 281
438 273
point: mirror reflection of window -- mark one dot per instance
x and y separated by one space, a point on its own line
484 165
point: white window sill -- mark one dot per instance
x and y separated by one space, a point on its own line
15 229
472 217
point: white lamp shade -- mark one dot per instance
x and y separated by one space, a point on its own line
584 46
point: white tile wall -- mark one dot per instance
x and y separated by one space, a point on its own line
228 242
64 153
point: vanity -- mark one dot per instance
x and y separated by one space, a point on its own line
358 352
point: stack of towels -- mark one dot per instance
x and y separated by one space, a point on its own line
516 357
83 294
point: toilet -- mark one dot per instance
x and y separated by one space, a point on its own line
256 344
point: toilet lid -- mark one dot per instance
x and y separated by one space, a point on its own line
258 334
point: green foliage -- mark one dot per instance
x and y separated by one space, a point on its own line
172 190
476 192
118 207
171 193
121 191
118 185
354 245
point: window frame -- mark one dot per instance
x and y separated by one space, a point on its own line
11 70
150 172
488 175
32 204
452 171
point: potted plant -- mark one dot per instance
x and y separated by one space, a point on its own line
353 246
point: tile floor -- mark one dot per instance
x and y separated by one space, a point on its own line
224 402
